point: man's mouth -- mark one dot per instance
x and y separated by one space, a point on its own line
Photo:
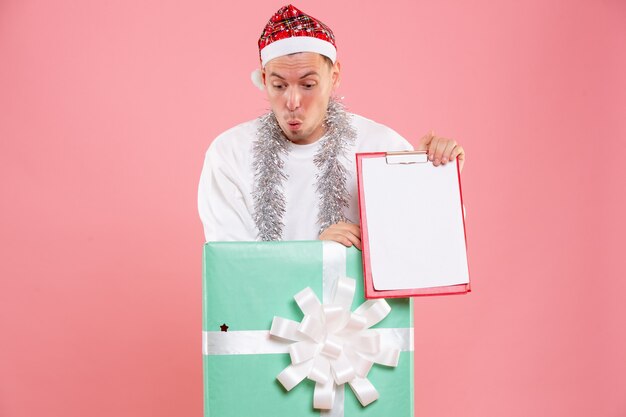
294 124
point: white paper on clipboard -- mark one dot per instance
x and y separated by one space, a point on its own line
414 223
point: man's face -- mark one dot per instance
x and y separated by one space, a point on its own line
299 88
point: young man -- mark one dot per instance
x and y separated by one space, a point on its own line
290 174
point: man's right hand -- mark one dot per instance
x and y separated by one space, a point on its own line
347 234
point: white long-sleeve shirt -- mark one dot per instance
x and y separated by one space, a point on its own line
225 200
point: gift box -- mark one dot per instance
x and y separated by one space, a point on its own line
255 296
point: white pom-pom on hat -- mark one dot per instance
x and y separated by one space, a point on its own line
257 79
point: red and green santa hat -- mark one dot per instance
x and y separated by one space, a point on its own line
290 31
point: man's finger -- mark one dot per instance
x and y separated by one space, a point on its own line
341 239
447 152
342 227
354 239
459 153
347 234
432 148
345 238
424 142
438 151
350 227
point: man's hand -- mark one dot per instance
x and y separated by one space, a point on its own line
441 150
347 234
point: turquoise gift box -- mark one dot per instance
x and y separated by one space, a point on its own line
247 284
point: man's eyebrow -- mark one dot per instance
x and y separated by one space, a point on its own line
309 73
273 74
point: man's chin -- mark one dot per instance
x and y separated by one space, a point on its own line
296 136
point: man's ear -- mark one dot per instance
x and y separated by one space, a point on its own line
336 74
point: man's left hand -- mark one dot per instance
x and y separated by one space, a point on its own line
347 234
441 150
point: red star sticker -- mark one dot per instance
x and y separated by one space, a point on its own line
224 327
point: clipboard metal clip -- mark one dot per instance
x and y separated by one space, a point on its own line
406 157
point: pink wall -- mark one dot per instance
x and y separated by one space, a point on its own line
106 109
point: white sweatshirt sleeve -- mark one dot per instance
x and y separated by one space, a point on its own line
225 214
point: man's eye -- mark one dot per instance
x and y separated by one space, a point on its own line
278 86
309 85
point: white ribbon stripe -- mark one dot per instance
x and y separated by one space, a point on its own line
259 342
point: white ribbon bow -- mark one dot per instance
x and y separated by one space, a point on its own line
333 345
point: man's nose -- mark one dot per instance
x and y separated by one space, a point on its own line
293 99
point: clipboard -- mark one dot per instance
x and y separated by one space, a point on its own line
412 225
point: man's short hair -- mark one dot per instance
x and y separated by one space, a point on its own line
327 59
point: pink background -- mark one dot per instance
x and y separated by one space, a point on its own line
106 109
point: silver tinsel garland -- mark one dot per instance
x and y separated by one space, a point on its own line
331 174
331 179
268 164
